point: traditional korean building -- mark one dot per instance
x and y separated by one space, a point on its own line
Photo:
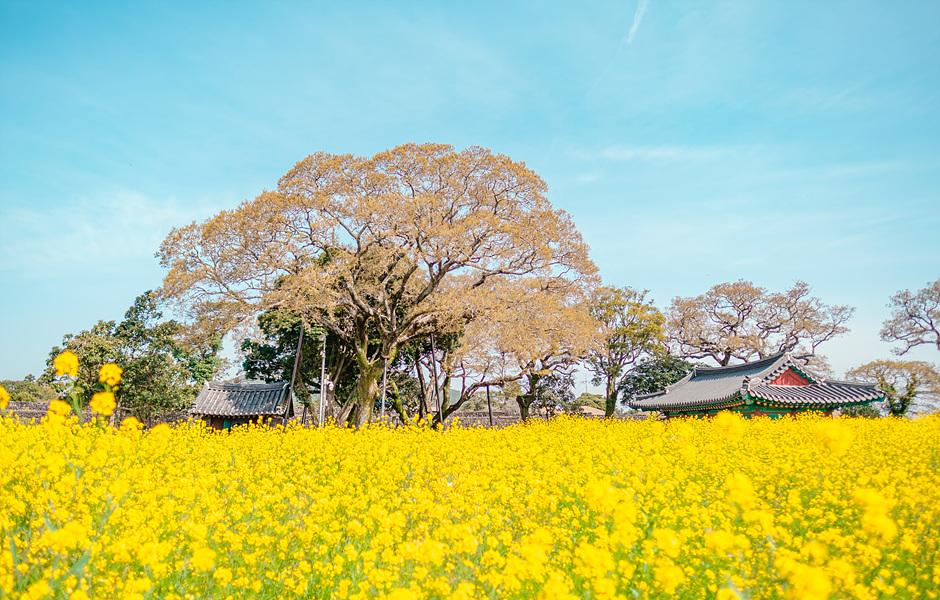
223 405
773 386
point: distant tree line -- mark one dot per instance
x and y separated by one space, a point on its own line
163 369
425 277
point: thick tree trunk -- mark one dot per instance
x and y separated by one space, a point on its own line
524 401
610 404
445 409
397 404
366 391
422 397
523 408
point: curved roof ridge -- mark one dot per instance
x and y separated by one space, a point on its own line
790 362
852 383
687 377
221 385
743 366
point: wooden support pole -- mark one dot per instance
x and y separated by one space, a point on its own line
295 371
437 385
489 405
323 380
384 383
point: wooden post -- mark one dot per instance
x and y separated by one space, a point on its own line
293 375
437 385
489 405
384 383
323 380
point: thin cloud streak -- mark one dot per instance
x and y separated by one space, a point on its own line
637 19
661 153
107 230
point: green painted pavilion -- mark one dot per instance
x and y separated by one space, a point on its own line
774 386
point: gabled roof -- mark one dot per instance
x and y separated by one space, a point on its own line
750 383
242 399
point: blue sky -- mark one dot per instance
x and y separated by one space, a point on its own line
693 142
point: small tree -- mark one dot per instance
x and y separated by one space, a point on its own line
653 374
555 395
741 321
915 319
631 327
898 403
919 380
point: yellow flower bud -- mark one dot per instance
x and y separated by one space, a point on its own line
66 364
103 403
110 374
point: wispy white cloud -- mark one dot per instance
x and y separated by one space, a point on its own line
623 153
105 231
638 14
589 177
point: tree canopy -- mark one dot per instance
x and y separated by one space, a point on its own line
653 374
382 251
630 327
915 319
525 330
29 389
904 383
742 321
162 371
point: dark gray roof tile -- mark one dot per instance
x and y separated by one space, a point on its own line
241 399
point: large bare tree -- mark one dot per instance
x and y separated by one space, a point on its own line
380 250
915 319
741 321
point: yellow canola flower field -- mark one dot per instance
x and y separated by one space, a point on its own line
806 508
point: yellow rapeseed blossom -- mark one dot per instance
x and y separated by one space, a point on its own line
131 424
203 559
103 403
110 374
59 408
66 364
796 508
668 575
4 398
727 594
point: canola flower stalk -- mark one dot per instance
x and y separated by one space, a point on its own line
807 508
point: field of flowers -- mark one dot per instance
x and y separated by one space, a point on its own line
807 508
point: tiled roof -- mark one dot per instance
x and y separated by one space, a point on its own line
825 393
241 399
723 387
707 385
